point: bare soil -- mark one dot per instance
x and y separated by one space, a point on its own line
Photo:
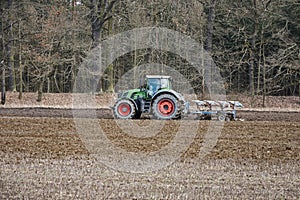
45 158
106 113
42 156
57 138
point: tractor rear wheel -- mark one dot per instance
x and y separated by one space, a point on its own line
124 109
166 106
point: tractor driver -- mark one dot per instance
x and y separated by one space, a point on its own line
154 85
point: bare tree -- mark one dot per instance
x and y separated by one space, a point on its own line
100 12
3 92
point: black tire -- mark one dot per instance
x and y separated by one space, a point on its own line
166 106
124 109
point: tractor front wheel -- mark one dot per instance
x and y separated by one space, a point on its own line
165 106
124 109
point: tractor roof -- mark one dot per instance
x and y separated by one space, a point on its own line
157 76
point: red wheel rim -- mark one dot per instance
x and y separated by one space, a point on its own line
166 107
124 109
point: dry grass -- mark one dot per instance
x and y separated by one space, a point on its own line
208 179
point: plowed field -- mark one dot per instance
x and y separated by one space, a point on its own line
44 157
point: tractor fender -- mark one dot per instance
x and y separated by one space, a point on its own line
131 100
171 92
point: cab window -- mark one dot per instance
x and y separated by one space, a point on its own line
164 83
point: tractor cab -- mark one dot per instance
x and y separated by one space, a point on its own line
155 83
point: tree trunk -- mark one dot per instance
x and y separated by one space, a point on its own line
2 63
99 15
20 65
251 66
73 67
73 73
209 38
3 95
299 91
259 64
203 67
210 25
110 71
21 80
264 75
10 51
96 32
253 51
11 68
40 89
110 68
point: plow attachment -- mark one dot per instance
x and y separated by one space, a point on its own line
220 110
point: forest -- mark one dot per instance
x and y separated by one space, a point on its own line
255 43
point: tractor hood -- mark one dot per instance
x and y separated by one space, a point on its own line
127 93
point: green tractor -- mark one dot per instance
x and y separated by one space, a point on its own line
155 97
